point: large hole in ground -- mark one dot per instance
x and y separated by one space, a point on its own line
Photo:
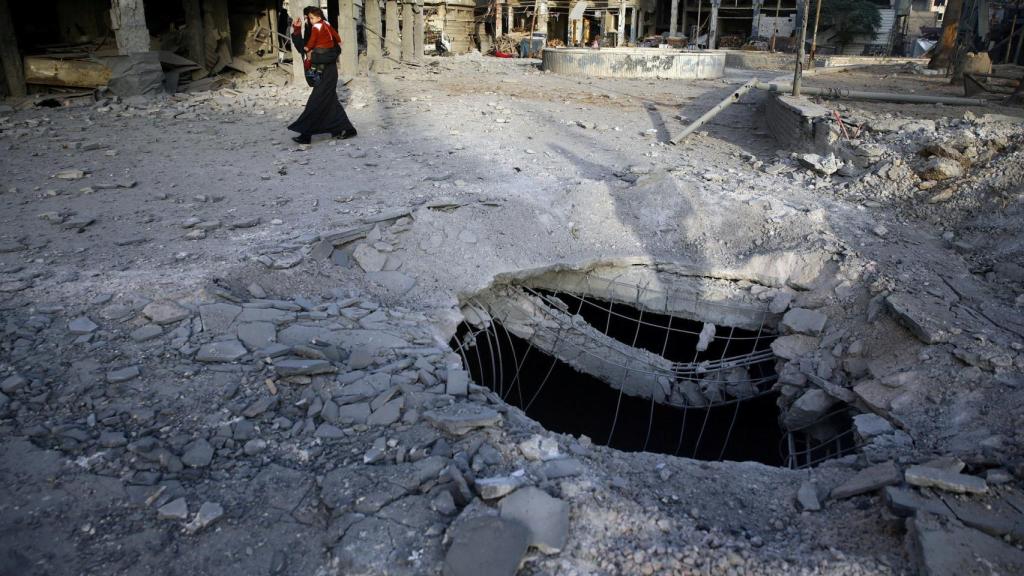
727 425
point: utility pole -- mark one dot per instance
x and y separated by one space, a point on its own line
814 37
799 71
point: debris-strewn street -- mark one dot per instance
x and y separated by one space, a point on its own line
225 353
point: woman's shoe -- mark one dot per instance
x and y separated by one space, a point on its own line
302 139
344 134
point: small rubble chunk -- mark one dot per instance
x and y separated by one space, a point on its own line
545 517
807 496
940 547
82 325
123 374
538 447
808 409
939 168
486 546
871 425
869 480
457 383
208 513
793 346
147 332
198 454
165 312
369 259
302 367
458 419
926 477
498 486
224 351
173 510
804 321
824 165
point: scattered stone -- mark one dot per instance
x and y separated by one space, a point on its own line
217 318
538 447
793 346
545 517
869 480
387 414
70 175
123 374
780 302
173 510
12 383
804 321
486 546
807 496
257 335
997 476
224 351
303 366
457 419
824 165
394 283
941 547
808 409
82 325
939 168
329 432
256 291
369 259
904 502
360 358
147 332
254 446
457 383
208 513
563 468
198 454
110 439
165 312
926 477
498 486
871 425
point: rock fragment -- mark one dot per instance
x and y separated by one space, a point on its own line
82 325
223 351
869 480
165 312
926 477
545 517
173 510
458 419
486 546
208 513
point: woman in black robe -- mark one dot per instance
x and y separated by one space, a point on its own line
324 113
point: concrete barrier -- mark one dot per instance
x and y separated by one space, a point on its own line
635 63
799 124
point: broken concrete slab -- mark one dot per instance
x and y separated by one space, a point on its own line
369 259
486 546
793 346
82 325
457 383
803 321
545 517
223 351
871 425
905 502
943 547
810 407
165 312
218 318
257 335
869 480
303 367
807 496
208 513
458 419
926 477
926 318
498 486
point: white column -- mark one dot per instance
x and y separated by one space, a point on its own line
632 26
620 36
128 19
672 30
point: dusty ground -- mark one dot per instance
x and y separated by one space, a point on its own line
474 167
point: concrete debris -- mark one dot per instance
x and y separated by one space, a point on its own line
208 513
82 325
545 517
174 510
810 407
868 480
539 447
870 425
939 168
804 321
458 419
807 497
944 480
942 547
824 165
498 486
223 351
487 546
165 312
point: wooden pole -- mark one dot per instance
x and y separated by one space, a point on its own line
814 37
9 53
1009 41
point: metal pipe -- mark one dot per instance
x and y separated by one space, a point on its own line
729 100
879 96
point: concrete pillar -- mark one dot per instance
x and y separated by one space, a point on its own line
194 39
14 74
683 29
128 20
640 25
408 23
672 30
621 25
393 35
349 65
542 17
632 26
498 17
295 11
419 26
372 29
713 25
511 18
217 34
756 20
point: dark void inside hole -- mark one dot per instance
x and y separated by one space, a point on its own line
566 401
